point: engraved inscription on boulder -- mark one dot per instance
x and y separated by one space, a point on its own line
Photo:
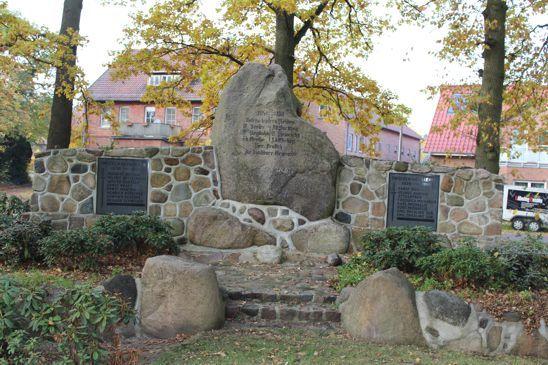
266 153
122 185
413 200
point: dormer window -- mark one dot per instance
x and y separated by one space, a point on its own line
157 78
458 102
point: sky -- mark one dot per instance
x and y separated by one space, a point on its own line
402 61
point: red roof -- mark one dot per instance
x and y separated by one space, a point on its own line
443 139
131 89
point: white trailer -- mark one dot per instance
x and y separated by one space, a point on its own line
526 208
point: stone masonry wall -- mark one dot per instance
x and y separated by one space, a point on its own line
470 199
180 179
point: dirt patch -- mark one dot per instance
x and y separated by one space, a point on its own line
22 191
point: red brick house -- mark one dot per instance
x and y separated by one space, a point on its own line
457 147
142 124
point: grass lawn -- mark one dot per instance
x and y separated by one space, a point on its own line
292 346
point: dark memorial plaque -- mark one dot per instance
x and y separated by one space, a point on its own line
122 185
413 200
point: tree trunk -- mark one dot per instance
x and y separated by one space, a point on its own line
284 50
492 85
61 107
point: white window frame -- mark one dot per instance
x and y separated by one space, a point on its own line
121 118
321 109
158 78
167 110
150 109
527 184
105 122
196 116
537 182
155 79
349 141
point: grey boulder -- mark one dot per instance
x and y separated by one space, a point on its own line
382 309
213 227
179 296
266 153
323 237
122 286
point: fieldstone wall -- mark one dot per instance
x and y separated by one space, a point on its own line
180 179
470 200
288 228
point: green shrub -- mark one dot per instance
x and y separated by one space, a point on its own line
137 232
78 248
44 325
19 241
465 265
399 247
354 271
15 155
525 264
11 208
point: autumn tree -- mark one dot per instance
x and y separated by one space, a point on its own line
317 43
61 107
29 55
506 44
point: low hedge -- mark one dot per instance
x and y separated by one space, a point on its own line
85 248
519 265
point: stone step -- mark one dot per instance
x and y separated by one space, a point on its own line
281 313
285 298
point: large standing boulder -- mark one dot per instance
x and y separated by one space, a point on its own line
214 227
179 296
266 153
382 309
323 237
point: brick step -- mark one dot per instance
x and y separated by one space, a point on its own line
281 313
285 298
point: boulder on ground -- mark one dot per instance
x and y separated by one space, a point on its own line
447 320
123 286
213 227
179 296
323 237
382 309
266 153
447 307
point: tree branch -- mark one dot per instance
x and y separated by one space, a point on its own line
308 23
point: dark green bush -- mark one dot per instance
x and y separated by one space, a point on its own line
525 264
11 208
465 265
137 232
19 241
15 155
45 325
81 248
399 247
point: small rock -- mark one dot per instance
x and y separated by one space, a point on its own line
511 316
124 286
269 254
333 259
